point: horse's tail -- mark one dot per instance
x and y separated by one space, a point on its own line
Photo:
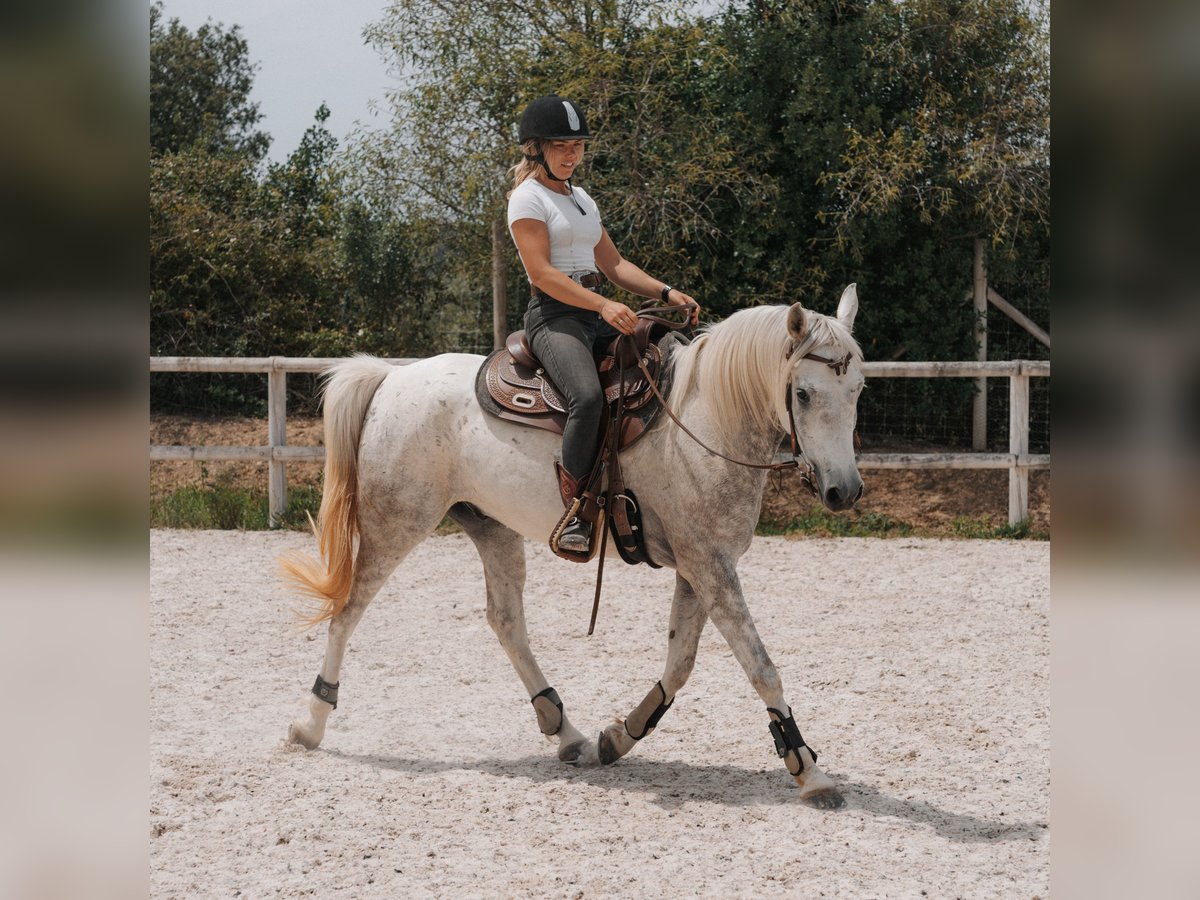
348 390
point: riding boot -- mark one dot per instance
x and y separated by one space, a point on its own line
577 535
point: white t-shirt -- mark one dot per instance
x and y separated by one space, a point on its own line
573 236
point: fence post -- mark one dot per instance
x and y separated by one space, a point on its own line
499 286
1018 445
979 296
277 437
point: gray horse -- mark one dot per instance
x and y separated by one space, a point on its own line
407 444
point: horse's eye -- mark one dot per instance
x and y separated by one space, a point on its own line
802 395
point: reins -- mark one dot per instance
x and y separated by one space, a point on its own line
839 366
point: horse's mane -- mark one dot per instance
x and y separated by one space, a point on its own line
739 365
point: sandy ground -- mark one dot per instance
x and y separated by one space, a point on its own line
918 668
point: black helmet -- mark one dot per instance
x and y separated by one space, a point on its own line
553 119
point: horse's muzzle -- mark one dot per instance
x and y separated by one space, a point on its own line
838 498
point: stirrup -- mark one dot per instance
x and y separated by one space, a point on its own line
577 536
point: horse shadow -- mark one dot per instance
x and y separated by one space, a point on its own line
672 784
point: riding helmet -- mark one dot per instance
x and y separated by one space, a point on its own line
553 118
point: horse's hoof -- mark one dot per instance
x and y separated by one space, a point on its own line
570 753
607 750
826 798
297 735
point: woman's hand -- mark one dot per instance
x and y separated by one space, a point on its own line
679 298
619 316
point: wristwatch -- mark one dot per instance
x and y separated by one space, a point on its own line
666 293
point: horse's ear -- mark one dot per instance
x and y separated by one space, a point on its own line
797 323
848 306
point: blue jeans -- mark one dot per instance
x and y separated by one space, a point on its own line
564 339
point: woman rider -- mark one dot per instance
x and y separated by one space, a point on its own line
565 248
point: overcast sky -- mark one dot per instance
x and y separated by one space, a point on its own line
308 52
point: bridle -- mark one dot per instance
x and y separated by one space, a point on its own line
840 367
807 473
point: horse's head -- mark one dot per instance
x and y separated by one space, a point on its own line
824 372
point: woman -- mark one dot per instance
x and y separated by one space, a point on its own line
567 255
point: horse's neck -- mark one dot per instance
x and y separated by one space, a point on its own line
747 443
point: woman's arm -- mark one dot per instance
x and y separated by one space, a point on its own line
626 275
533 243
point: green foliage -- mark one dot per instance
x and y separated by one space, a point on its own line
645 72
200 90
221 506
819 522
965 527
773 153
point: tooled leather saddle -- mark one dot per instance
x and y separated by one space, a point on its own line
511 384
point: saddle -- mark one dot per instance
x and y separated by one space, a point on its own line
512 384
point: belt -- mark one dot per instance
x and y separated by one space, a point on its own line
589 280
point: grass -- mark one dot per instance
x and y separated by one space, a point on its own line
223 506
822 523
984 529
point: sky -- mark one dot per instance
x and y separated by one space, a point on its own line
308 52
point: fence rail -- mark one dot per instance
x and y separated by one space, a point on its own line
278 454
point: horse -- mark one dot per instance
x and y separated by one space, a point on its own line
408 445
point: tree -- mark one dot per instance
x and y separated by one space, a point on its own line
641 68
972 143
200 90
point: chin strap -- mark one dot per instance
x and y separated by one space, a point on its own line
541 158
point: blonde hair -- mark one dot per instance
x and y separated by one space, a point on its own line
527 168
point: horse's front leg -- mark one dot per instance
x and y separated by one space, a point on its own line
720 591
687 621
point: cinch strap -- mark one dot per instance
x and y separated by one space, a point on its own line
326 691
788 740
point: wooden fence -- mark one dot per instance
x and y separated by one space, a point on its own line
277 453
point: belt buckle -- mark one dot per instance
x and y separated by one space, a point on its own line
578 276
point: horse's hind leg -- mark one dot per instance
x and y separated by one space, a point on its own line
503 553
375 561
687 621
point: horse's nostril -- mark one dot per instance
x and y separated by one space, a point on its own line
833 496
858 496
